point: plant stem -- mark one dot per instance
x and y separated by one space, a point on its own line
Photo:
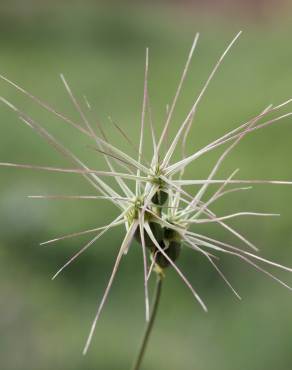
150 323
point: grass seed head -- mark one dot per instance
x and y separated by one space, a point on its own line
152 199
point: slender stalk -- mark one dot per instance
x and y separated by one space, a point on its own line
150 323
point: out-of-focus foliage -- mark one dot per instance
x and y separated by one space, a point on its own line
100 49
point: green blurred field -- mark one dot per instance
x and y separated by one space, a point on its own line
44 324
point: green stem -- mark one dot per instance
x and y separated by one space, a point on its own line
150 323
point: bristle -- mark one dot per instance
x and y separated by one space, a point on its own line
127 240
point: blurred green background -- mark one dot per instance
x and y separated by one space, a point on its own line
100 48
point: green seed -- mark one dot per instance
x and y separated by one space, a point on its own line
160 197
157 231
173 252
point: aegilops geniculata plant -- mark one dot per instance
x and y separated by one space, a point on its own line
154 205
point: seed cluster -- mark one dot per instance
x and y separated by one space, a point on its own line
168 239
